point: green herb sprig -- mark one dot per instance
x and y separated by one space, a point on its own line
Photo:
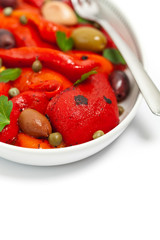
5 111
113 55
84 77
10 74
64 43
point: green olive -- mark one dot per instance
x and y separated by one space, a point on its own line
13 92
55 139
98 134
37 66
23 20
89 39
7 11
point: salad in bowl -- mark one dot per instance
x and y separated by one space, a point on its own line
62 78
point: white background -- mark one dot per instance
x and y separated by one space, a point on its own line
112 195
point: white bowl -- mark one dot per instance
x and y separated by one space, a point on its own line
50 157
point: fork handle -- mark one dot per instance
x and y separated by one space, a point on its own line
148 89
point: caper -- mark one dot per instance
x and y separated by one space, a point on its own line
55 139
121 110
37 66
98 134
1 63
89 39
7 11
23 20
13 92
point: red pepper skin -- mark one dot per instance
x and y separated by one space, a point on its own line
105 65
78 112
36 3
110 43
4 88
25 36
50 88
47 30
71 67
30 99
26 141
46 80
24 5
23 140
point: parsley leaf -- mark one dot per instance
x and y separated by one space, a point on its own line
64 43
114 56
5 111
82 20
84 77
10 74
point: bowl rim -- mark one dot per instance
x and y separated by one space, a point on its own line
121 125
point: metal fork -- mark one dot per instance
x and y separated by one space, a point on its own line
90 10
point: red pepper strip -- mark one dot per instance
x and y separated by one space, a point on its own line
4 88
28 78
110 43
23 6
50 88
106 65
24 35
23 140
71 67
46 29
30 99
37 3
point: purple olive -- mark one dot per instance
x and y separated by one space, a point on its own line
7 40
8 3
120 84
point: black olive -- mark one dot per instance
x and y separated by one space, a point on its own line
7 40
8 3
120 84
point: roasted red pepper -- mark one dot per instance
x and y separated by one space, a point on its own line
34 100
50 88
47 30
47 81
23 140
71 67
82 110
24 5
24 35
106 66
37 3
4 88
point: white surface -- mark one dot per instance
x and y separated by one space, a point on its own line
113 195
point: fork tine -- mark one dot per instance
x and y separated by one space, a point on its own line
83 7
75 2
